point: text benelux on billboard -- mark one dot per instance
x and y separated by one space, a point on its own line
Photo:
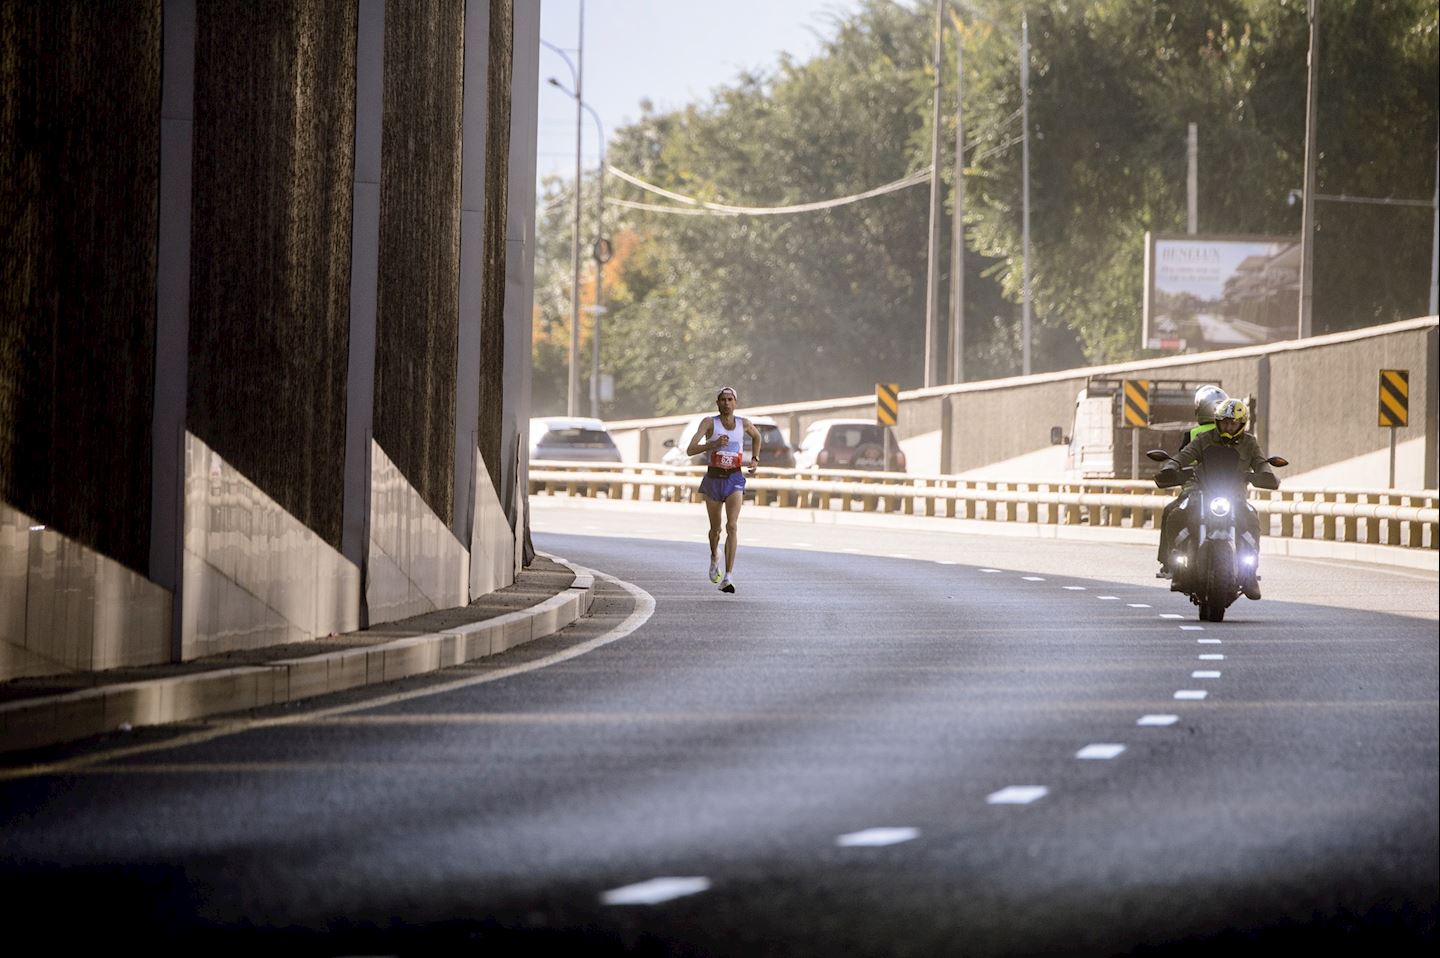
1190 253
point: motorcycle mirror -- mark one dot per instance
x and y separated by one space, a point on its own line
1158 455
1278 461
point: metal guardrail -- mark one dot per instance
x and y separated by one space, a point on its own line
1386 517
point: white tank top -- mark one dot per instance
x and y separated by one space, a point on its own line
732 454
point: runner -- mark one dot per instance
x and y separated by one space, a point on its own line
722 437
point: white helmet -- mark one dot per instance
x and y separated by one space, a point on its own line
1206 399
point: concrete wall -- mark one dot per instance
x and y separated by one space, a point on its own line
311 153
1316 403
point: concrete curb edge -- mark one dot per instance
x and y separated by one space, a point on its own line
74 715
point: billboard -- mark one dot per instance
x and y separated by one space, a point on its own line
1216 292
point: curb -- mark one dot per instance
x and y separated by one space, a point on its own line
74 715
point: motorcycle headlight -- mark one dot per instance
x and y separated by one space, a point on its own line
1219 508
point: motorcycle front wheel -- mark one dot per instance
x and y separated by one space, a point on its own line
1219 582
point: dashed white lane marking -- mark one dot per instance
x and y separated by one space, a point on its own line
1074 588
1033 578
1204 674
875 837
1108 598
1102 750
989 570
1208 641
655 891
1137 605
1171 615
1017 795
1191 695
1192 628
1158 720
1212 657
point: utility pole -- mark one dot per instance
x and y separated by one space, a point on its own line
932 260
1307 216
1192 181
957 223
1025 163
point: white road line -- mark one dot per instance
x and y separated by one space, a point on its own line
1158 720
1100 751
1074 588
1171 615
1191 695
939 561
1033 578
1192 628
1204 674
655 891
989 570
1108 598
898 555
1212 657
1137 605
1017 795
875 837
1208 641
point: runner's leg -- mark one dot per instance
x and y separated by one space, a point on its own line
732 528
712 509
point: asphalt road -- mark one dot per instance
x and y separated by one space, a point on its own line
929 744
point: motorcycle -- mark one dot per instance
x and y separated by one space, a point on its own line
1212 556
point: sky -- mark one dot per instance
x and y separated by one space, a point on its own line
674 52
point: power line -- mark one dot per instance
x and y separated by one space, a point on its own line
720 209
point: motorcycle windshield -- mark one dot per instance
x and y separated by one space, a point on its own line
1218 472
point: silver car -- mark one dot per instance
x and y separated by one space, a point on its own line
571 439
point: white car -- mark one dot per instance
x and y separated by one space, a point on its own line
571 439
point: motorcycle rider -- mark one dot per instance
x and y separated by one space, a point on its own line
1231 419
1207 397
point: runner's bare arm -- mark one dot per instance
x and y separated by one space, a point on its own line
755 443
701 441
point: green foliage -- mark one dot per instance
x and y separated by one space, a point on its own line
827 303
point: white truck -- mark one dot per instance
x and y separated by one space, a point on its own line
1100 444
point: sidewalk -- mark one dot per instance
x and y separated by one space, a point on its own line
47 710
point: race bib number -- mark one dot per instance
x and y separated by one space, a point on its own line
726 460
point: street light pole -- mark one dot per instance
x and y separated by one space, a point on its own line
573 388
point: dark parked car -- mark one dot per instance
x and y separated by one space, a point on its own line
564 438
848 444
775 451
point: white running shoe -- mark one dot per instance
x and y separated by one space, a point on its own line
726 585
714 571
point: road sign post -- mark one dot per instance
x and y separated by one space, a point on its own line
1394 407
1135 413
887 412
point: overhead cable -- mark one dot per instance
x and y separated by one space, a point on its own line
720 209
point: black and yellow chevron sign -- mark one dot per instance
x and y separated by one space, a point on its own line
1394 397
1137 402
887 403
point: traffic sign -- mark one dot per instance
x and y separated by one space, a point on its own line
1394 397
1137 403
887 403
